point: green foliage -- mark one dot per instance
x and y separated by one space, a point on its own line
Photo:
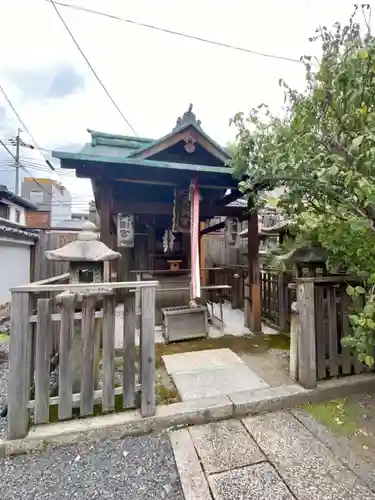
322 152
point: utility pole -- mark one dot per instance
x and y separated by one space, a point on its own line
18 162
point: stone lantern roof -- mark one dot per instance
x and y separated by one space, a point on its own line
309 254
86 248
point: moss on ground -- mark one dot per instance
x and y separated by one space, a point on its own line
166 395
338 415
353 418
54 410
255 344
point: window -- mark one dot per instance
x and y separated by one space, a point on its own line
4 210
37 197
18 216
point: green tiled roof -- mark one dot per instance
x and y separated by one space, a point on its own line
103 143
115 148
115 158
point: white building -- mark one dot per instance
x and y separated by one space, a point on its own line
12 207
16 242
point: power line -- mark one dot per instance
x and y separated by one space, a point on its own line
35 180
10 165
74 203
91 67
24 125
173 32
78 205
40 167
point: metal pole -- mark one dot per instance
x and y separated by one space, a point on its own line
17 190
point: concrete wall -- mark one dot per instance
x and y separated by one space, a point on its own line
44 187
14 265
54 198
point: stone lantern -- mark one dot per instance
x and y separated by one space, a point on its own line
86 255
309 261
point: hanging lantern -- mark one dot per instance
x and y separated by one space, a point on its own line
232 232
181 211
125 230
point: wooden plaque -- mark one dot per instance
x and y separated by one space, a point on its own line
125 230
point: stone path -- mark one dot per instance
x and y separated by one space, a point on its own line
210 373
272 456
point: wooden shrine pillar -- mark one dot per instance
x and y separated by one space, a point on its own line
105 214
106 233
255 309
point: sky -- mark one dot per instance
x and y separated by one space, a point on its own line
152 76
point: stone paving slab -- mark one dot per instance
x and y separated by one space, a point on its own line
193 482
200 360
307 466
216 382
225 445
257 482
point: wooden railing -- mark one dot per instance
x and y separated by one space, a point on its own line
276 298
232 276
85 312
323 307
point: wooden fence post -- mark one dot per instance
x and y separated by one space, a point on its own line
236 292
40 261
306 334
87 368
42 360
67 300
293 360
129 351
247 302
109 312
147 354
283 302
19 366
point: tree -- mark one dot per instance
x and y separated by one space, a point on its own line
323 153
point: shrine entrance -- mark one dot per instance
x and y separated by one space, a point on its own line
152 197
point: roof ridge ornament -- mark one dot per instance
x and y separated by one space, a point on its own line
188 118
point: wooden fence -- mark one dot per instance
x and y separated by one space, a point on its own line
50 239
323 308
217 253
276 296
87 312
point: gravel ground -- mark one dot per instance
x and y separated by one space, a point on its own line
4 347
136 468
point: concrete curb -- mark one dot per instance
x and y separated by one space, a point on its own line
194 412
